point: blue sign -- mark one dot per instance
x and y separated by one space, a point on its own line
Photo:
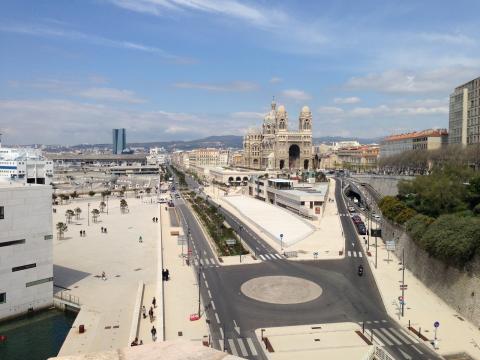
436 324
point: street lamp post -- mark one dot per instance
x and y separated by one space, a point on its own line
281 242
403 281
88 213
199 283
107 204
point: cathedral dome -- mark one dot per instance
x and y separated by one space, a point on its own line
281 109
305 109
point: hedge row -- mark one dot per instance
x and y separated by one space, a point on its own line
396 210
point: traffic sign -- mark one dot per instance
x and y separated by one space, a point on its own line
390 245
281 235
400 298
404 287
231 242
436 324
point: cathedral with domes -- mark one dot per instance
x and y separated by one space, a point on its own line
275 147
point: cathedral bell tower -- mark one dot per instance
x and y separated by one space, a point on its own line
305 120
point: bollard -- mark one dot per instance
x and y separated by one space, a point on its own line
408 325
363 327
371 337
419 332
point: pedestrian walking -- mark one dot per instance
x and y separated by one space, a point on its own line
154 333
104 277
144 312
154 301
167 275
140 240
80 233
150 314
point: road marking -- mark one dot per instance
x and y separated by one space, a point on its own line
212 261
243 349
390 335
206 284
208 261
261 257
384 321
405 355
252 347
233 349
354 254
204 252
384 339
415 348
268 256
412 339
399 335
360 254
349 253
376 321
217 318
353 244
278 256
368 322
209 294
219 345
213 305
203 274
221 332
195 262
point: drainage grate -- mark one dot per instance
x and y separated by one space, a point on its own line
316 327
137 269
116 326
108 327
180 333
317 339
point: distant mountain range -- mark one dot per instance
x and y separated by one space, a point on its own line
222 141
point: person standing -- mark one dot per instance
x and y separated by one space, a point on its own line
154 333
154 302
144 312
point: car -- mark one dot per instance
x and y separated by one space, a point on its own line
351 209
376 216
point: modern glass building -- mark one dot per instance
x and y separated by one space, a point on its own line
119 141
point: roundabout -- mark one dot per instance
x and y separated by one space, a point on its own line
282 290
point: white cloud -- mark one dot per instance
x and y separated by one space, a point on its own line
275 80
297 95
330 110
455 39
247 115
111 94
223 87
443 79
347 100
43 31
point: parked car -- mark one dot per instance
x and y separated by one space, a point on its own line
351 209
376 216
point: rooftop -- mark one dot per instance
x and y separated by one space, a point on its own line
417 134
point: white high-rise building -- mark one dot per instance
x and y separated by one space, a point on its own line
26 252
25 164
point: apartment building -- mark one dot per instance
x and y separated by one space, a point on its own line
430 139
464 114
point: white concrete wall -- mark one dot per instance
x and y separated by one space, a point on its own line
28 215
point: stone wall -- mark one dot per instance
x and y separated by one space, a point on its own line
459 289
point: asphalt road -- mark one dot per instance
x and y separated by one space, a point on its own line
233 317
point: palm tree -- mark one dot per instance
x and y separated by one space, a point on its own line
68 215
78 211
148 189
91 193
123 205
74 195
105 193
95 215
61 227
102 206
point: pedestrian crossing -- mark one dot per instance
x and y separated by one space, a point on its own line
267 257
353 253
205 262
390 336
242 347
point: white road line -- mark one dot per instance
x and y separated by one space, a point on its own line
376 321
378 334
354 254
384 321
261 257
212 261
209 294
252 347
221 332
219 344
412 339
390 335
368 322
217 318
213 305
233 349
243 349
207 261
268 256
399 335
377 340
415 348
278 256
206 284
360 254
204 252
349 253
203 274
195 261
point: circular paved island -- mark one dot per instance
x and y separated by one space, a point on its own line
281 289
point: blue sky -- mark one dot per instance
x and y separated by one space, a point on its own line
183 69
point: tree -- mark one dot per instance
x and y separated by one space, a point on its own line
95 215
78 211
91 193
74 195
64 197
61 229
102 206
148 190
105 193
54 197
68 215
123 206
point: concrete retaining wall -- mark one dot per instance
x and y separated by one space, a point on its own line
459 289
385 185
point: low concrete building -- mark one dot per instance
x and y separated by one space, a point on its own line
304 199
25 164
232 176
26 261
